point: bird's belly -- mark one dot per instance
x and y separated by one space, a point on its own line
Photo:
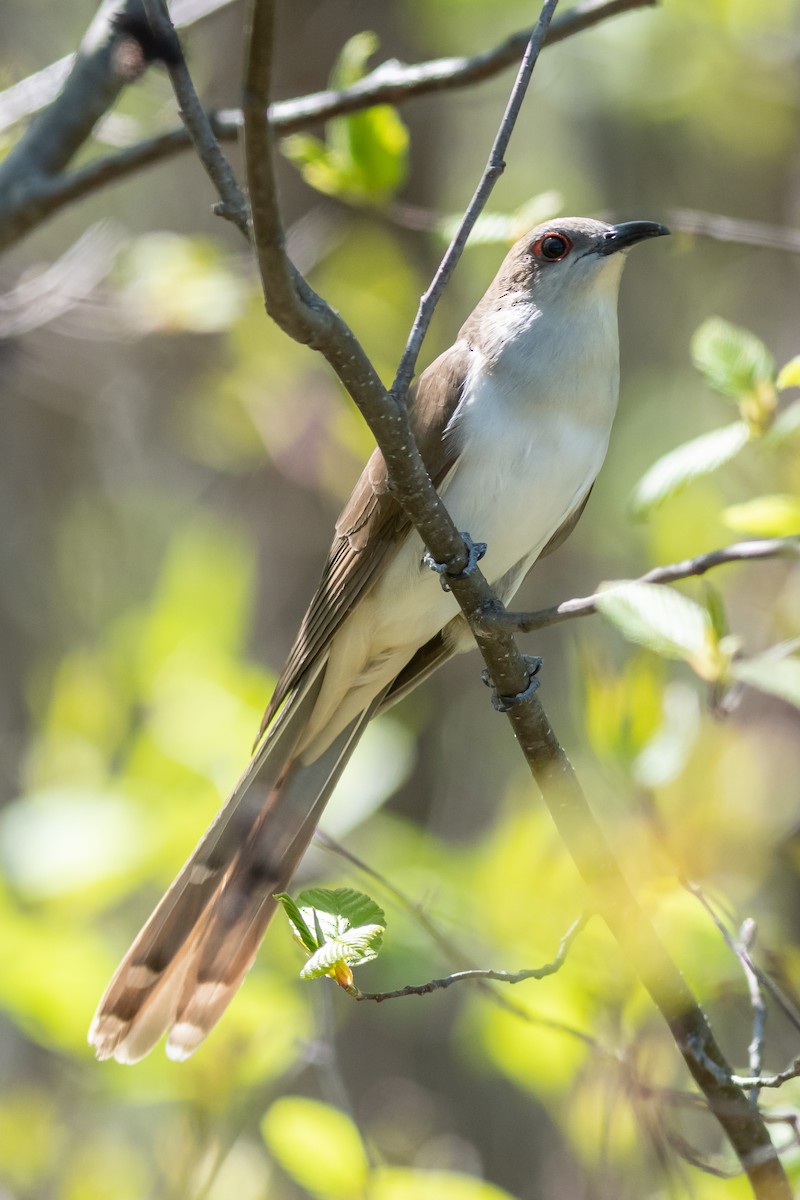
514 500
513 493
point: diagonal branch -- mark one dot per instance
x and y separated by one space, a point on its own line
492 172
28 197
308 319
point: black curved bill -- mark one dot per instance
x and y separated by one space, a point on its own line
622 237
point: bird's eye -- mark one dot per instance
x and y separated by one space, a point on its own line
552 246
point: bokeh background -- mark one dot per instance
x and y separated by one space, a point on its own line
170 469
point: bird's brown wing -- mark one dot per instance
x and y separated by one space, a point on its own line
372 525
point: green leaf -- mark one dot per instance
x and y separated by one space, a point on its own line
318 1146
733 360
354 947
339 926
768 516
789 375
665 621
302 934
364 157
404 1183
777 676
715 608
676 470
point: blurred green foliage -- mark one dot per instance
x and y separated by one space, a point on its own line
170 468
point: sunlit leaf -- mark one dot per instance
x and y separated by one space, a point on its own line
364 157
789 375
778 676
665 621
335 927
402 1183
733 360
622 707
318 1146
768 516
693 459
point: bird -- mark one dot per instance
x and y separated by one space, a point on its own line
512 422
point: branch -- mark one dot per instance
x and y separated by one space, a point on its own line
449 948
755 551
493 170
769 1081
755 1051
232 205
28 198
729 229
308 319
436 985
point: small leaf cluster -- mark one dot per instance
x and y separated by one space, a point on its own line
338 929
739 366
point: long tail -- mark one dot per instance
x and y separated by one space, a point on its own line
190 958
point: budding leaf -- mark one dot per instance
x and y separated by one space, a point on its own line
338 929
705 454
768 516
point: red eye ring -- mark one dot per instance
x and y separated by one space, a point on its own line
552 246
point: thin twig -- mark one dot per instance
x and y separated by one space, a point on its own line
493 170
755 1051
754 551
449 948
770 1081
436 985
729 229
741 952
232 205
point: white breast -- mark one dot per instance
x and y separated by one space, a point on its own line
533 426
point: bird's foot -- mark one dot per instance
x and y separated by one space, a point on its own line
505 703
475 552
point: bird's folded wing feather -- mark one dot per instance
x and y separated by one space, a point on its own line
372 525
